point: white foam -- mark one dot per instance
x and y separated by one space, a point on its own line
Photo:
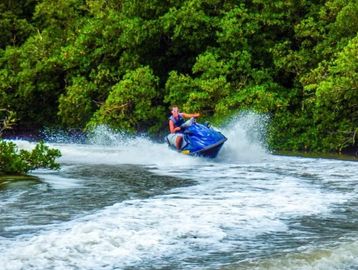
58 182
244 194
215 215
343 256
245 134
246 138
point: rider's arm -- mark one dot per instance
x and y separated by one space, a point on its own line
190 115
172 128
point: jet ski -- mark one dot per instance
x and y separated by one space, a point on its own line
199 140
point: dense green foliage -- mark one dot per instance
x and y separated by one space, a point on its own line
7 120
79 63
14 161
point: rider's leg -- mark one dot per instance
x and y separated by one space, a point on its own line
178 142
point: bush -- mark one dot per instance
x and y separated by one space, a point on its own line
14 161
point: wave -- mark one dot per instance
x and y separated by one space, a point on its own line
245 133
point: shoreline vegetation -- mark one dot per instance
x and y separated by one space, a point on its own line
338 156
14 161
77 64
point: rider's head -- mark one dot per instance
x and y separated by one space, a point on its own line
175 110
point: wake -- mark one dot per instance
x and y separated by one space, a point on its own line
245 133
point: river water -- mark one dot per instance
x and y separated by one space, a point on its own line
130 203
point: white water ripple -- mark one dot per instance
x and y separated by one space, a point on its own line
244 202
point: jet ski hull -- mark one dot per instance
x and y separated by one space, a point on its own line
200 140
211 151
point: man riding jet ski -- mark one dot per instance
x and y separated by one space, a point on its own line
193 138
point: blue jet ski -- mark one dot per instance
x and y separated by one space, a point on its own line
200 140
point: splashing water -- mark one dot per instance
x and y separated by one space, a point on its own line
245 133
122 202
246 138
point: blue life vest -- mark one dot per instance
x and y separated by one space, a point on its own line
177 122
